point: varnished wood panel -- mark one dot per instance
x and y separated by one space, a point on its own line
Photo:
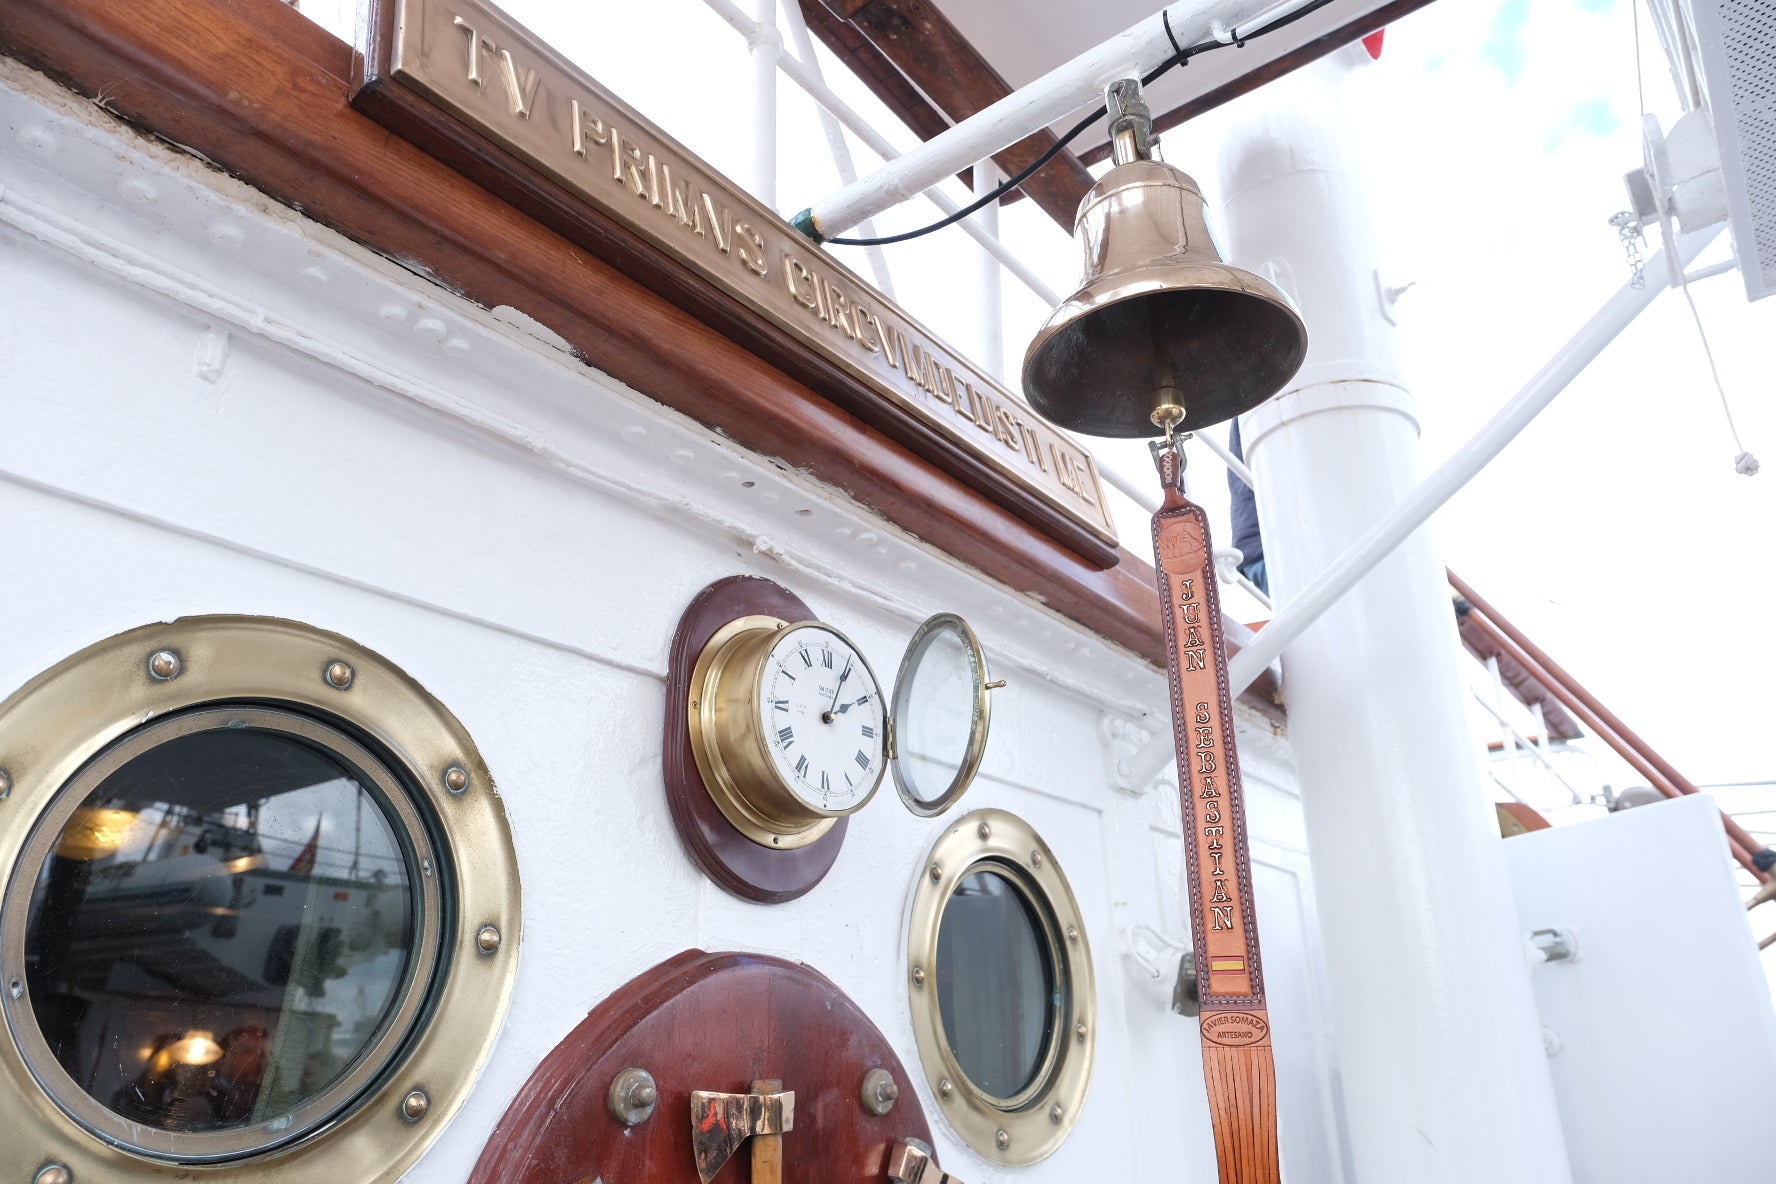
741 866
714 1022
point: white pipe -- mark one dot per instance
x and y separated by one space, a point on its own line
1144 498
1605 325
1061 92
991 283
822 94
767 46
835 139
1234 464
1713 269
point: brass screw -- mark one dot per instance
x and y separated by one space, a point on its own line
918 976
340 675
1035 859
487 939
415 1105
456 778
53 1173
944 1088
936 873
1072 933
1054 1113
164 665
1002 1139
983 830
1079 1029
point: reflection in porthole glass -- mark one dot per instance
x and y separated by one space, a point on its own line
224 928
996 987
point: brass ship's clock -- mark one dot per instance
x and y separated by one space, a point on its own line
777 730
787 727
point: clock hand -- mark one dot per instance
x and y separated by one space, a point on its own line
827 715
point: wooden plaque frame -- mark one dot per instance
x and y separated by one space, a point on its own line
745 868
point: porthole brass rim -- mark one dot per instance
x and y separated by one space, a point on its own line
54 725
394 1027
980 721
1006 845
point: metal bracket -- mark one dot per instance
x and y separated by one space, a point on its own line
721 1122
911 1161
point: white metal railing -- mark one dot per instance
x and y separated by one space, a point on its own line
767 42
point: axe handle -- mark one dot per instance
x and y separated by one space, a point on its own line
767 1150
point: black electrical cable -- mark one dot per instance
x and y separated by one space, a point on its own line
1181 57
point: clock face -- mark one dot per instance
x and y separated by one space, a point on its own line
823 719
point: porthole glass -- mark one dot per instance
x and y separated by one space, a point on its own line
259 910
1000 984
229 925
996 988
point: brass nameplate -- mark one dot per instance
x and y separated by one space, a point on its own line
483 69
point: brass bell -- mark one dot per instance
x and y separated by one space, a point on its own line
1161 329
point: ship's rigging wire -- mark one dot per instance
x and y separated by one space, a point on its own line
1744 463
1181 57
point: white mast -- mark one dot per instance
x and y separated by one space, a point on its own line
1438 1041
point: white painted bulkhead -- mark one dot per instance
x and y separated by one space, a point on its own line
210 405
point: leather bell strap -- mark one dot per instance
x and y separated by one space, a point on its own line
1237 1063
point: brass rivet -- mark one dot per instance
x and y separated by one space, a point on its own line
944 1088
415 1105
632 1096
918 976
340 675
1079 1029
1072 933
53 1173
936 873
1002 1139
456 778
487 939
1035 859
1054 1113
983 830
693 705
879 1091
164 665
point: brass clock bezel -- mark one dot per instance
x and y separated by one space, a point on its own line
979 723
732 753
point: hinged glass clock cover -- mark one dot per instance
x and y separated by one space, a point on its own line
938 730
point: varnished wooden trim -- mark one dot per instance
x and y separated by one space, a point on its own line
916 37
260 91
466 149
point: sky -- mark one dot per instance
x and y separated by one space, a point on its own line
1495 135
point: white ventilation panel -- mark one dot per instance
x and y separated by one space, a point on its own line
1736 50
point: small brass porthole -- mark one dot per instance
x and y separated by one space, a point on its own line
240 912
1000 982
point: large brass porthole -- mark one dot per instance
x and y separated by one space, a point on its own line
258 910
1000 981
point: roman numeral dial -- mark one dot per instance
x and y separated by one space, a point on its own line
823 711
788 728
